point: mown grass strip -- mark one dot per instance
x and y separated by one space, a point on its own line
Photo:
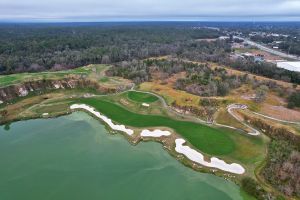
141 97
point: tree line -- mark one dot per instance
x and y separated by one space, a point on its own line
43 47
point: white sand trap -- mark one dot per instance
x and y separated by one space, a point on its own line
145 104
155 133
104 118
45 114
199 158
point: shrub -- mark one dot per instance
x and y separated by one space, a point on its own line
294 100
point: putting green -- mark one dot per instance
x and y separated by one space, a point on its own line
141 97
207 139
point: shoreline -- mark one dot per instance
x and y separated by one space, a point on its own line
192 155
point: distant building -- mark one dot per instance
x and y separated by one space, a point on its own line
224 37
253 57
292 66
259 58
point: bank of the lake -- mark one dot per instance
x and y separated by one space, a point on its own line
73 157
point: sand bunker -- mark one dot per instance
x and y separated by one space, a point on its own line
104 118
190 153
155 133
145 104
199 158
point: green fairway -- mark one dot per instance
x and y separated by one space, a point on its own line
209 140
141 97
6 80
91 72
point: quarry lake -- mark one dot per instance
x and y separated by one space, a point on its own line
74 158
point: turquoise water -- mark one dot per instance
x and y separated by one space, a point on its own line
73 158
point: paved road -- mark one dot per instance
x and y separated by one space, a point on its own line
267 49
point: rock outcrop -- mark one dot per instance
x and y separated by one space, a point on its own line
21 90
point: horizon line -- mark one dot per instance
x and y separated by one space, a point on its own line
37 21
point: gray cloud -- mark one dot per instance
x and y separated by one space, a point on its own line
97 10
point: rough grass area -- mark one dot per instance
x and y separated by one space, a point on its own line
207 139
223 117
182 98
141 97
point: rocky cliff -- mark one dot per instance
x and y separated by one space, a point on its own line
24 89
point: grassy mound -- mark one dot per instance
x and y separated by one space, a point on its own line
141 97
209 140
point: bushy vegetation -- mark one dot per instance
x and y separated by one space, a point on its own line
265 69
252 187
294 100
283 167
200 79
261 93
204 81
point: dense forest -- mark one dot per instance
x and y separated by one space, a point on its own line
44 47
39 47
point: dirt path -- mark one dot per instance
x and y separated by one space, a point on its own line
232 107
275 119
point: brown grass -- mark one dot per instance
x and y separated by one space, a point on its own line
223 117
170 94
280 112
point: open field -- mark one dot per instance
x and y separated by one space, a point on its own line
171 95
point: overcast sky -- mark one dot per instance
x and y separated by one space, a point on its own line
126 10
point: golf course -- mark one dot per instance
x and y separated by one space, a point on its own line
209 140
126 108
141 97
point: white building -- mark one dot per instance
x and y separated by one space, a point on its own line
292 66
